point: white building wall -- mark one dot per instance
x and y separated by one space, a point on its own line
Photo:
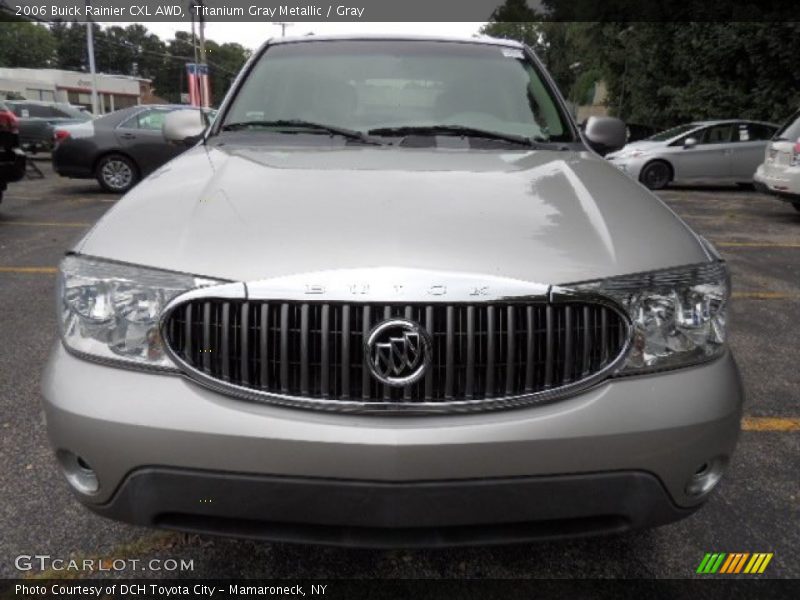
70 86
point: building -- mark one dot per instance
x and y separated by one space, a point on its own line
75 87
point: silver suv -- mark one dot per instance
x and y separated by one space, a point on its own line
392 296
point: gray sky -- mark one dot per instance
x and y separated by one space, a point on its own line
251 35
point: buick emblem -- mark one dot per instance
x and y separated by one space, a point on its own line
397 352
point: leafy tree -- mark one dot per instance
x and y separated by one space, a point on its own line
170 80
25 44
70 39
224 62
661 73
149 51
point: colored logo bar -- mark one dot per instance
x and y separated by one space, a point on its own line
734 563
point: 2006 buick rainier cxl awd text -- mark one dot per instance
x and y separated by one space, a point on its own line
392 296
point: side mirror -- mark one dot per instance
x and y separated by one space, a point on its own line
689 143
183 126
605 134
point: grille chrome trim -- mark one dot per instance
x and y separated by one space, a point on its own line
275 309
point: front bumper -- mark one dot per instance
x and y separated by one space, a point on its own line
161 445
380 514
631 166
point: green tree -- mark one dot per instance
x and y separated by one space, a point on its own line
70 41
224 63
667 73
149 50
661 73
170 81
28 45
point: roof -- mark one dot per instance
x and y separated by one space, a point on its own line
477 39
22 70
708 122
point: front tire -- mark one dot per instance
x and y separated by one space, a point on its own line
656 175
116 173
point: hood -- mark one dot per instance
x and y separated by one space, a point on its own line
248 213
640 145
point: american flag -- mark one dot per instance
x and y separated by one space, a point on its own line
199 92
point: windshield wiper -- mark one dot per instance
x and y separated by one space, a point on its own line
352 134
459 130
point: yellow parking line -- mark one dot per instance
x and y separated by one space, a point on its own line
757 245
30 270
764 295
44 224
770 424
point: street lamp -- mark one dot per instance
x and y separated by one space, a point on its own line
90 51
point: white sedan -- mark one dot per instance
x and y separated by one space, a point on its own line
780 172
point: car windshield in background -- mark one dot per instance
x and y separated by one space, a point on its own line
671 133
388 86
73 112
45 110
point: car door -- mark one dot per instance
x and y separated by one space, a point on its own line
140 137
750 140
709 159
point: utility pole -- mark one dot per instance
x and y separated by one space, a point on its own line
194 34
622 36
283 25
201 58
194 45
90 50
204 100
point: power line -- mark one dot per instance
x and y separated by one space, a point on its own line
127 46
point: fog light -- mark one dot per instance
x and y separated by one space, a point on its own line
706 477
79 474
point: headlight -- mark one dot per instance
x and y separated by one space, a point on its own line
678 315
110 311
631 154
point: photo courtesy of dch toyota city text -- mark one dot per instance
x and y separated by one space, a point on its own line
480 299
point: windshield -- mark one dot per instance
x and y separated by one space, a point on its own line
671 133
790 130
73 112
369 85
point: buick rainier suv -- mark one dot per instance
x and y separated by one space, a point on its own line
392 296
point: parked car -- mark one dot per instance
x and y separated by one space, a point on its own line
38 119
12 159
392 297
779 174
117 149
703 152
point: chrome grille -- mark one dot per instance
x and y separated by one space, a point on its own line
311 354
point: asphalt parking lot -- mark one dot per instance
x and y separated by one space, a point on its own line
756 509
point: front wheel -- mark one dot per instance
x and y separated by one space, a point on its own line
116 173
656 175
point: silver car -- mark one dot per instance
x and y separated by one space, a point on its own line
702 152
392 297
